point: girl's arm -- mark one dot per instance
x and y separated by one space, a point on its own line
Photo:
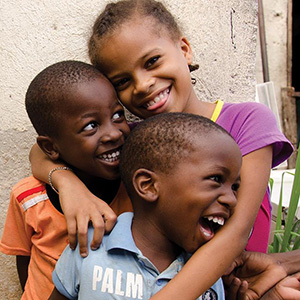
22 267
212 260
78 204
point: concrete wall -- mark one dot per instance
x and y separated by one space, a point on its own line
275 12
35 34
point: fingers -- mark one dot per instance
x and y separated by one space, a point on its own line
102 224
237 290
72 232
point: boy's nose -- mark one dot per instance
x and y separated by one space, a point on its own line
228 199
111 134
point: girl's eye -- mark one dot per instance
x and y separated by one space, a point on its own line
90 126
151 62
118 116
120 84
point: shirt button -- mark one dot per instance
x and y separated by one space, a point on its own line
159 282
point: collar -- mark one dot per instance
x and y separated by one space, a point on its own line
217 110
121 236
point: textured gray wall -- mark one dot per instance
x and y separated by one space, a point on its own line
37 33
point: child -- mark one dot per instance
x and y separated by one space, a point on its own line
76 114
183 180
139 47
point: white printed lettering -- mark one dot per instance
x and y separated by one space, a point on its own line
107 284
134 285
111 281
97 276
118 290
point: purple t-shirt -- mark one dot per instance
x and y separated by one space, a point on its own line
253 126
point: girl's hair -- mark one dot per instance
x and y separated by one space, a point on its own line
116 14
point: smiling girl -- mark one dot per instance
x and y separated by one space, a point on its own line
142 51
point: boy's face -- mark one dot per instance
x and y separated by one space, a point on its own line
148 70
93 129
198 196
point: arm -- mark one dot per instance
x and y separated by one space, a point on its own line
212 260
56 295
22 267
78 204
289 260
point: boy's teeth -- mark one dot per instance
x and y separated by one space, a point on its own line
217 220
111 156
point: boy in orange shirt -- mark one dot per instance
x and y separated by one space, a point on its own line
79 121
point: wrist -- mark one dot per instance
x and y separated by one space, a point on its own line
58 177
290 261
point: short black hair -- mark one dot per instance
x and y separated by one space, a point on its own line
161 141
50 88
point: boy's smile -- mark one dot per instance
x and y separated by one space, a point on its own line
93 129
148 69
198 196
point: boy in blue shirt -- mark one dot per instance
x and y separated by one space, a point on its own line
182 173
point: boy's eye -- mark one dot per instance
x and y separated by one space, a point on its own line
90 126
235 187
216 178
118 116
150 62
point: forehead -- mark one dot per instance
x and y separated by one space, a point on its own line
95 92
216 147
132 37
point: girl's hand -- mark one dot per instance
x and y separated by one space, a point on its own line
287 289
79 205
87 208
260 271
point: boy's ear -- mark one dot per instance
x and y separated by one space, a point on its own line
48 146
145 184
186 49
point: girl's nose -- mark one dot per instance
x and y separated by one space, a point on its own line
143 83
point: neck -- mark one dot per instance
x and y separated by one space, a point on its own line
199 107
153 243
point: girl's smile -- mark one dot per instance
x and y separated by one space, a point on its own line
148 69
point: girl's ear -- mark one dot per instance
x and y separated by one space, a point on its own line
145 184
186 49
48 146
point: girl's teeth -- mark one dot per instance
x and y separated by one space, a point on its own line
158 98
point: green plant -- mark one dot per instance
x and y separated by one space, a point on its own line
287 231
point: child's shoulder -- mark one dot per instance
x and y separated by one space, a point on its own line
27 189
245 107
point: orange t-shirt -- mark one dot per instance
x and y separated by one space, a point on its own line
35 228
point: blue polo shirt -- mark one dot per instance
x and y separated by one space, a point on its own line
117 270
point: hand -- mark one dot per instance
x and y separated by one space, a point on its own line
236 290
260 270
81 209
287 289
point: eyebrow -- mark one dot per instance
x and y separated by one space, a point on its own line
148 53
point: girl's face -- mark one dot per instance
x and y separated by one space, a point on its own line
148 69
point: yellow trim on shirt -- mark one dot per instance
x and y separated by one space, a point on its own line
217 111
